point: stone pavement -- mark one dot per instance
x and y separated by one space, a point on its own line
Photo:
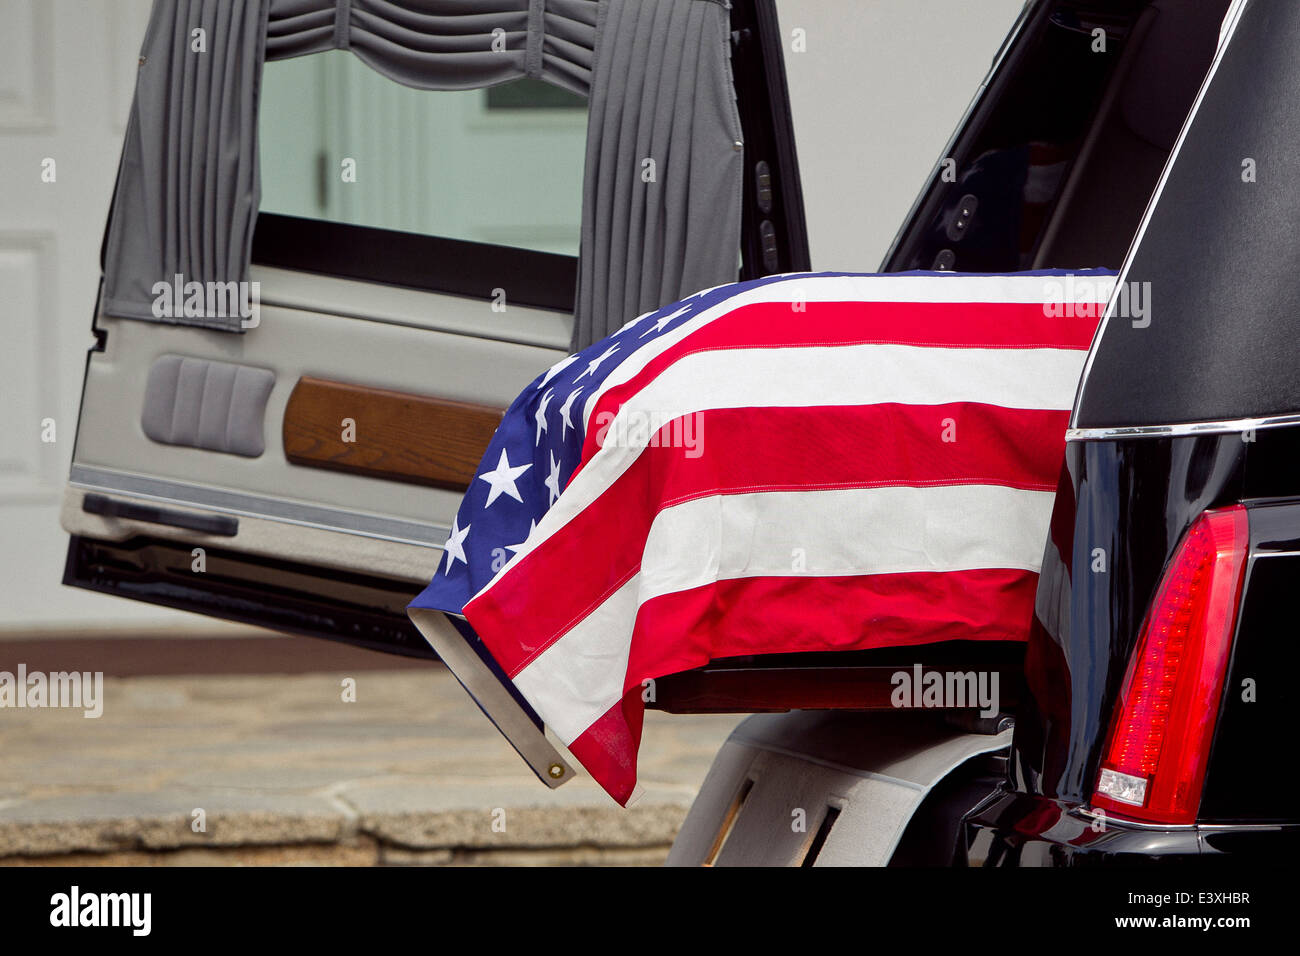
284 771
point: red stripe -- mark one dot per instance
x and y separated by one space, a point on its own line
1013 325
608 748
682 631
749 450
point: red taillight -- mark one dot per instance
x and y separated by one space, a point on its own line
1154 763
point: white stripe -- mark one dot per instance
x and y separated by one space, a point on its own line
723 537
844 531
810 377
571 688
803 287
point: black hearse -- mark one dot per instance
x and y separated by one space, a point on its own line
1156 680
1145 720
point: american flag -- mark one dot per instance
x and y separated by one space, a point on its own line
807 462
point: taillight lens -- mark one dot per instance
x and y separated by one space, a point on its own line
1154 764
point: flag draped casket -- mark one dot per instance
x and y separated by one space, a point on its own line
800 463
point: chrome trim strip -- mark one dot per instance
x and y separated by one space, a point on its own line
1085 812
1184 428
1226 31
256 506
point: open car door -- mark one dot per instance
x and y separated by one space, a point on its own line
285 404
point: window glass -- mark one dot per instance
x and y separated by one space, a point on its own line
342 142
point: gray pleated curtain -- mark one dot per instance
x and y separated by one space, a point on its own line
657 73
653 234
187 186
445 44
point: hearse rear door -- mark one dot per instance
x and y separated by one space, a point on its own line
289 450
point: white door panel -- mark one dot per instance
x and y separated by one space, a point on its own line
293 343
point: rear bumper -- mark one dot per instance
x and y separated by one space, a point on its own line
1017 829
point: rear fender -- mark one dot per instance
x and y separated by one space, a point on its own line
813 788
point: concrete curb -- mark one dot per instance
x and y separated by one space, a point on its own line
431 836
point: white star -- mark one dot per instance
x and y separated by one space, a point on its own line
540 415
595 363
502 480
663 321
455 546
637 321
564 413
556 369
553 481
516 548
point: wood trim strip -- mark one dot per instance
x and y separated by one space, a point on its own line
398 436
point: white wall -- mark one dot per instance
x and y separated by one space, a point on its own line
67 70
875 96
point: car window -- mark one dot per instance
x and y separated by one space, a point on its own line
342 143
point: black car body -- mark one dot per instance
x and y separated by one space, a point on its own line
1187 415
1154 694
